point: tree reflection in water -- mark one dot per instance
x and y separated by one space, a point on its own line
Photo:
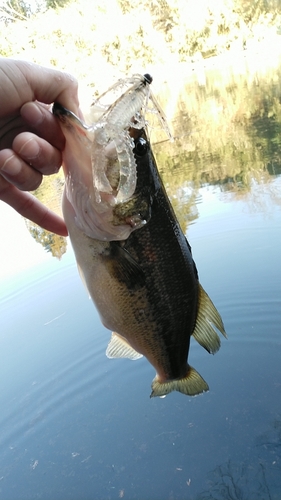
250 480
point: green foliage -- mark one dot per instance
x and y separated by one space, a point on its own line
14 10
54 4
49 193
220 124
126 6
51 242
250 11
21 7
229 135
165 15
123 35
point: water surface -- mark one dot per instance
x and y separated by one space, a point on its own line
74 424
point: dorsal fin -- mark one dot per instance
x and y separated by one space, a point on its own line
207 317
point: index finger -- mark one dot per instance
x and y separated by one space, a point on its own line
30 207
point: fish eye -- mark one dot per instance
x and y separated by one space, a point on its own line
140 147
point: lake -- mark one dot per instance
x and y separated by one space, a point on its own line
77 425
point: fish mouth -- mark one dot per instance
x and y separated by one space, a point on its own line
100 159
110 150
68 118
59 111
101 177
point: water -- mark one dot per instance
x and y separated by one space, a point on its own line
74 424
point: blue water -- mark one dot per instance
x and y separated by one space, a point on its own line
76 425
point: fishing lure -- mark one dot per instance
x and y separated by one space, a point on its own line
107 146
127 111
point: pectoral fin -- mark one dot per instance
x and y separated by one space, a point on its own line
207 317
123 266
119 347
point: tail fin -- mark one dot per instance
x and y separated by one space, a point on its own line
191 384
207 317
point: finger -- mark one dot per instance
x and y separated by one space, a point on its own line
9 128
42 121
31 82
38 153
17 172
49 85
28 206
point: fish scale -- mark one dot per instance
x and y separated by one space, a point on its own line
171 284
145 286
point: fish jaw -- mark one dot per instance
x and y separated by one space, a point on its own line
93 205
99 161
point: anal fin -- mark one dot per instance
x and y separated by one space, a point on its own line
119 347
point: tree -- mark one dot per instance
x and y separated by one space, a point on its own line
14 10
53 4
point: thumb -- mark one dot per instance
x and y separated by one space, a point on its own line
49 85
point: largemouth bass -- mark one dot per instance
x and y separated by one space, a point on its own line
139 268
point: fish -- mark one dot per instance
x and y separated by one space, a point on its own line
138 268
100 166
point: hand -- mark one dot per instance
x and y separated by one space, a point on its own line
31 140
